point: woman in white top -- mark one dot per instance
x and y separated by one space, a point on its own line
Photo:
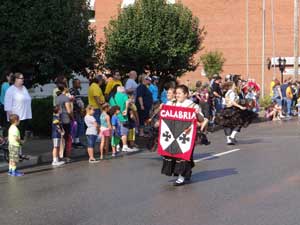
175 166
18 101
234 116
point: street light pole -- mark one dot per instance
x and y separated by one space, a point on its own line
263 48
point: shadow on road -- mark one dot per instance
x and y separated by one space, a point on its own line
212 174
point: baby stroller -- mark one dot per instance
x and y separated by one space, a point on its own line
153 126
4 148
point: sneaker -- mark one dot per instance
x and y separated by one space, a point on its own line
126 149
78 145
179 182
93 161
233 140
113 155
68 160
9 172
133 149
118 148
58 163
16 173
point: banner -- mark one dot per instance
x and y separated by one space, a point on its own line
177 131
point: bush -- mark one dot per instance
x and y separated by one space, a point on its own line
42 116
265 102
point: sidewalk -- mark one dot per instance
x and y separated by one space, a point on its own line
40 152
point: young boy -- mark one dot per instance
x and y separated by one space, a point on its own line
57 133
14 145
116 127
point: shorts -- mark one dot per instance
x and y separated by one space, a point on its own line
56 142
124 130
105 132
115 140
14 153
91 140
131 134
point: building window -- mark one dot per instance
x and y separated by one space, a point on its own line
127 3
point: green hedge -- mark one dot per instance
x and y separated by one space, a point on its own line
42 116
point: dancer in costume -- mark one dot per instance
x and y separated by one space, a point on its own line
173 164
234 116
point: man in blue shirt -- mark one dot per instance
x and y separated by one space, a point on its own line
153 88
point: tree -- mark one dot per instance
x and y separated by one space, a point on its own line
153 36
213 62
46 38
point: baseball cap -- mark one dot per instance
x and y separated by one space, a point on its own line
148 78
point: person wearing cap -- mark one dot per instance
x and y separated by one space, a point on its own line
144 101
154 89
95 96
116 79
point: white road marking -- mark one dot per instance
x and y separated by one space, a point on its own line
216 155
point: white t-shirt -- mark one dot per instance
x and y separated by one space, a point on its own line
90 123
186 103
18 101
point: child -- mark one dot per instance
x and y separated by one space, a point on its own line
91 132
105 130
116 127
57 133
14 145
133 119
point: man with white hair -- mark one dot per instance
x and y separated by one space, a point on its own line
131 84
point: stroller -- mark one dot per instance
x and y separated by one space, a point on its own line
153 127
4 148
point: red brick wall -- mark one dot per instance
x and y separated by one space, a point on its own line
225 23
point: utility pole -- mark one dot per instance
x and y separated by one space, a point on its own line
247 38
273 38
263 48
296 38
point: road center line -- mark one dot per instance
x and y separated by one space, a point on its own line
216 155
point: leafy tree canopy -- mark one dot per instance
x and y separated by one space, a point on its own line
213 62
46 38
154 36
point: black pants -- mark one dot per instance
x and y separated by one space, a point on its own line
24 126
228 130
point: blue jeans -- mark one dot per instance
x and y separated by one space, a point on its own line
218 104
289 106
97 115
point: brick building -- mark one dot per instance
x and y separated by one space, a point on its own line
225 22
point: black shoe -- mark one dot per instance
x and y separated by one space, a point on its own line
233 140
230 143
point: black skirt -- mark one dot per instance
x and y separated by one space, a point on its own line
234 117
174 166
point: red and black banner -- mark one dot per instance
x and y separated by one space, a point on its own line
177 131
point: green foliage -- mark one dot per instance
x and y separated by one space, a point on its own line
213 62
42 116
46 38
265 102
154 36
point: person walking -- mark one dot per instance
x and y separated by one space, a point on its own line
174 166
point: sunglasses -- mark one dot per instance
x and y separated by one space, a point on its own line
20 78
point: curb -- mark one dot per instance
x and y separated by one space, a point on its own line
46 158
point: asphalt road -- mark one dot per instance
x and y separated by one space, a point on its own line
256 184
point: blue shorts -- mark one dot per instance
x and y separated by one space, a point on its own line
91 140
124 130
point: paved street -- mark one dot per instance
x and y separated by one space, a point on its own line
256 184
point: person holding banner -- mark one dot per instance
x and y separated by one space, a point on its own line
177 134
